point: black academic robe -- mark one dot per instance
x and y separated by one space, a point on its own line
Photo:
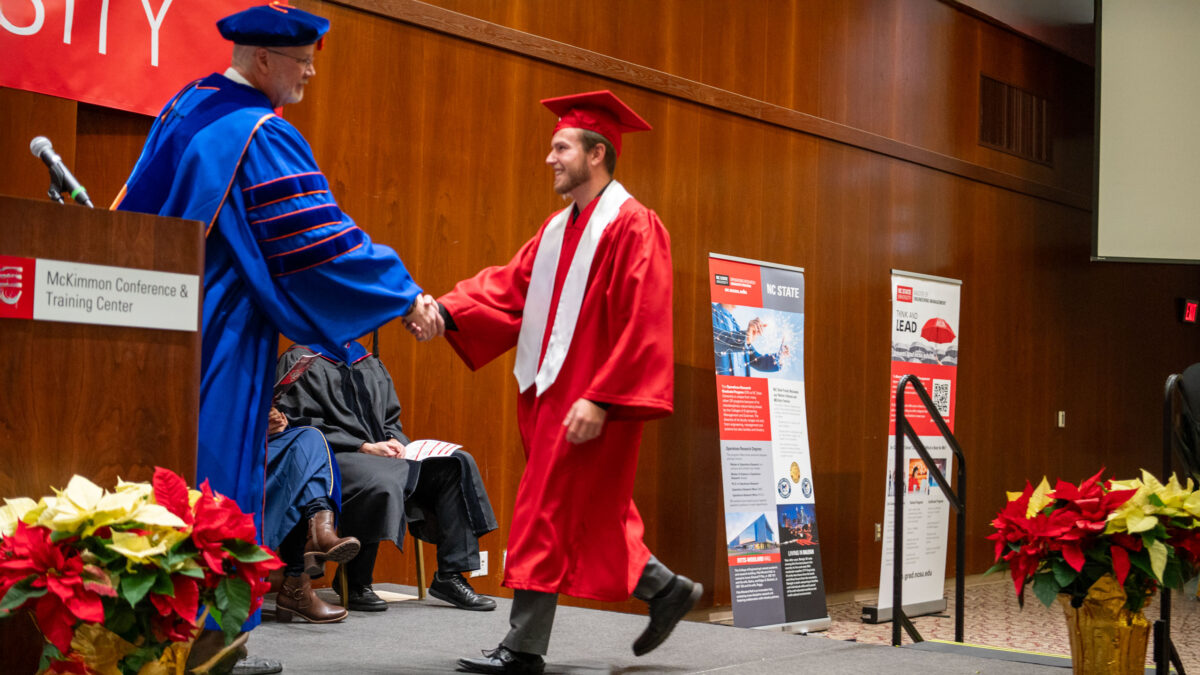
354 402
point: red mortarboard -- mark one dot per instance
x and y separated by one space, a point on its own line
598 111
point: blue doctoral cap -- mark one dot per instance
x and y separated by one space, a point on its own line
273 25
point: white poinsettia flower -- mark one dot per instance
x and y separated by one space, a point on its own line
12 512
157 515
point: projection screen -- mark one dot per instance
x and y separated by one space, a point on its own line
1147 196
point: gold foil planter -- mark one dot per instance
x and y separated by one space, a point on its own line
1105 636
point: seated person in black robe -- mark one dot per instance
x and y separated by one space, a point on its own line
441 500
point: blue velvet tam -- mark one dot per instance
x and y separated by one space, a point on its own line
273 25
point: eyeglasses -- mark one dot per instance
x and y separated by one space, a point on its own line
307 61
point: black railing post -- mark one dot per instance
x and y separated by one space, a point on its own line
898 515
957 500
1162 646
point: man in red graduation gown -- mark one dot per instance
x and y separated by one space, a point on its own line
587 304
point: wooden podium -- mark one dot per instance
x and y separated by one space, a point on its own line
96 400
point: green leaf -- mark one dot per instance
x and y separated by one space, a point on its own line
245 551
49 653
1045 587
163 584
1155 499
1141 560
135 586
1063 573
20 592
194 572
120 619
1173 574
105 555
998 567
233 597
57 536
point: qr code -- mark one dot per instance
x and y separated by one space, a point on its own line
941 397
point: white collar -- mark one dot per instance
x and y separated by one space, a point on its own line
541 288
234 75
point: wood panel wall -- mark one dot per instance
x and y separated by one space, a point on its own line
835 135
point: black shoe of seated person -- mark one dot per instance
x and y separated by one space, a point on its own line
454 589
504 660
363 599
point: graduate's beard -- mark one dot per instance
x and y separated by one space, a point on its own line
574 178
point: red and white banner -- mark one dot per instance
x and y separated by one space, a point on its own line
924 328
773 547
127 55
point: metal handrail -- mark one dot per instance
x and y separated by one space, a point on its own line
958 501
1164 648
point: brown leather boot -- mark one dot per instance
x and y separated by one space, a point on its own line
297 598
324 545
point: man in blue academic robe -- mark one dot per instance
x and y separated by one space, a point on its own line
280 256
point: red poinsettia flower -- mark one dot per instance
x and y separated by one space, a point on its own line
58 569
1186 543
72 664
171 492
218 518
176 619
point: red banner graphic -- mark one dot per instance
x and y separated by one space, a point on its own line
126 55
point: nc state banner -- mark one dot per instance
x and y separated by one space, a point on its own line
924 328
772 540
126 55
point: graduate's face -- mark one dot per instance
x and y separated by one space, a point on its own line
288 71
569 161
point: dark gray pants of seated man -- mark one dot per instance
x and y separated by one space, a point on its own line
532 615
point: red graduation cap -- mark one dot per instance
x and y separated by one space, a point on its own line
598 111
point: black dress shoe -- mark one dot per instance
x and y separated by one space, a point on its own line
504 660
666 611
454 589
363 599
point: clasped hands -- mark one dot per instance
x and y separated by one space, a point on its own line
424 320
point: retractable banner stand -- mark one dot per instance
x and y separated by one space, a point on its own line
771 532
924 327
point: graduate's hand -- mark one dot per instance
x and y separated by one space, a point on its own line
424 320
584 421
276 422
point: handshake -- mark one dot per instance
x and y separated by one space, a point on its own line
424 320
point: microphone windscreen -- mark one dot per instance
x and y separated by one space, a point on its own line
39 144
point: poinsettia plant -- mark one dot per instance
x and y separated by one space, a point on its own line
120 582
1141 531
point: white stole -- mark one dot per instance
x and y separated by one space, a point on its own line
541 288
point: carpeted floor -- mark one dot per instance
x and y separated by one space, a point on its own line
429 636
993 618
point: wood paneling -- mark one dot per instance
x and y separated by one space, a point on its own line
839 136
858 69
26 116
101 401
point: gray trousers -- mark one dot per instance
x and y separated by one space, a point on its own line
532 615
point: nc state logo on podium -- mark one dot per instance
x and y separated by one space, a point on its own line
16 287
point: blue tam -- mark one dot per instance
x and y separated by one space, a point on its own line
273 25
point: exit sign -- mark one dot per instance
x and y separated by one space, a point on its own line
1187 310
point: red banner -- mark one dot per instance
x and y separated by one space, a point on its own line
126 55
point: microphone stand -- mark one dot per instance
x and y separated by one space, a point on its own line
55 190
57 186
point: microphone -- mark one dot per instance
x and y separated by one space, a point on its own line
61 179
